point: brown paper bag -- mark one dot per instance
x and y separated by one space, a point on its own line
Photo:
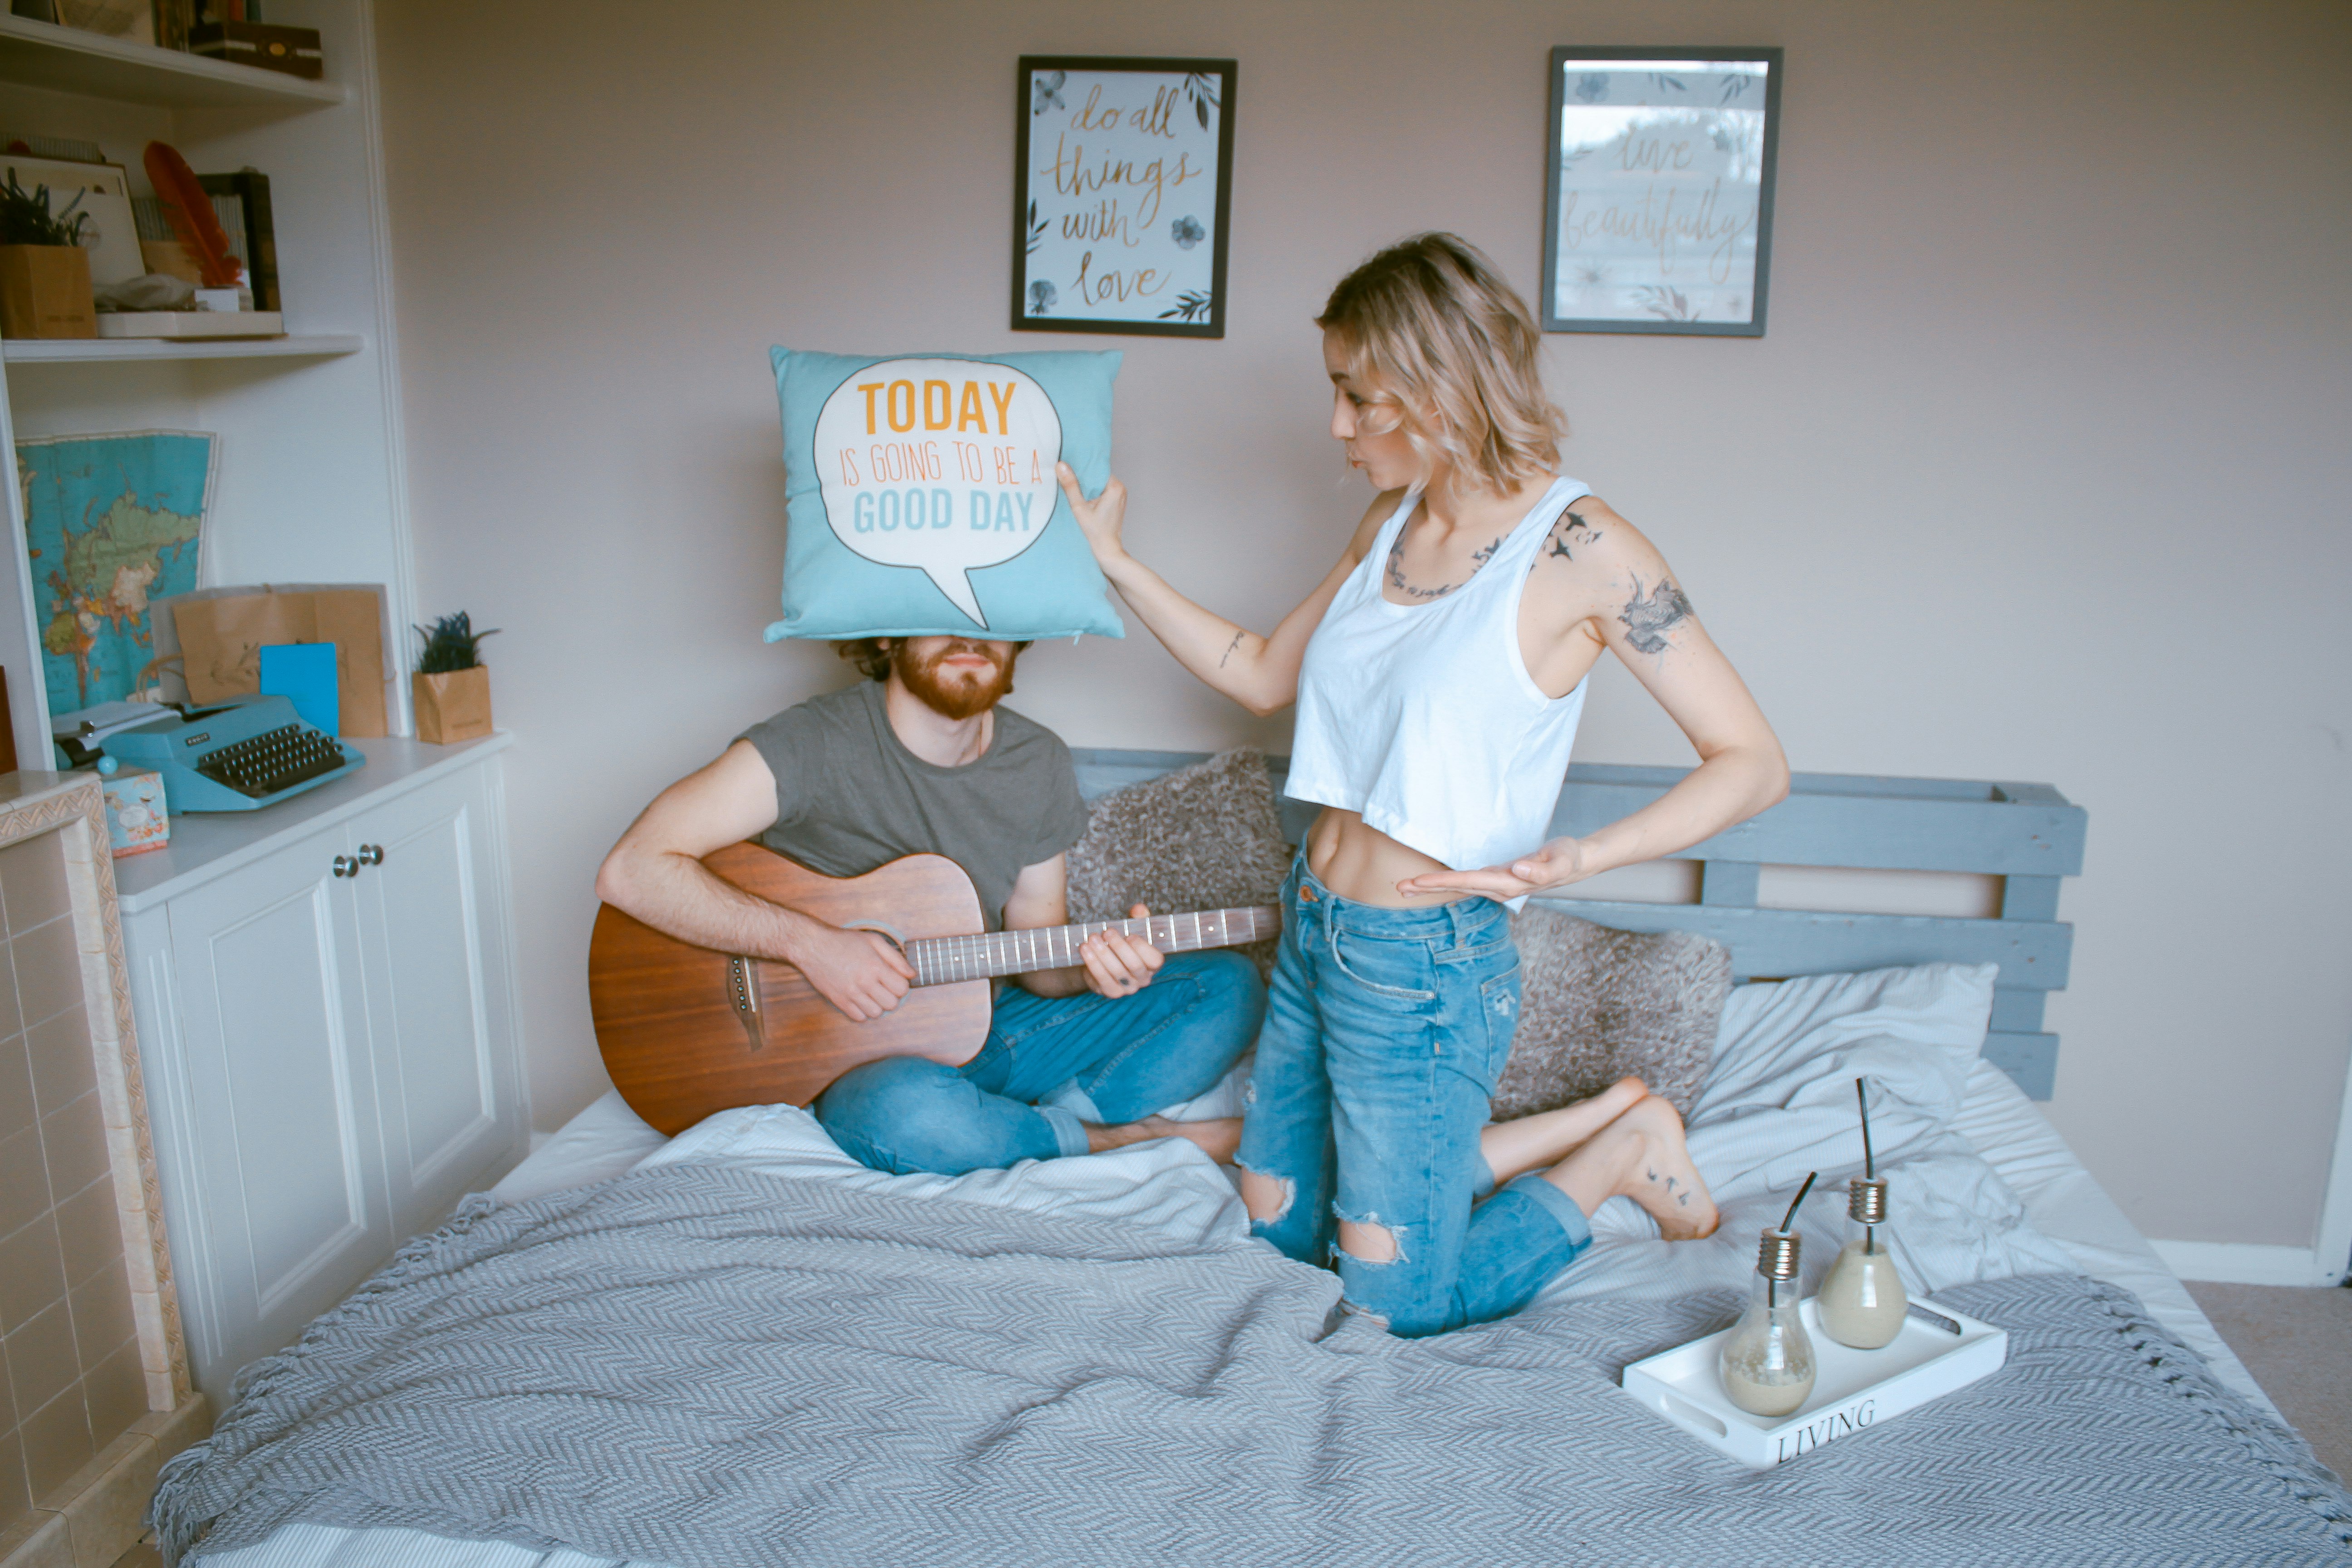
453 706
221 641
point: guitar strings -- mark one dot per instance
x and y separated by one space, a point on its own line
983 951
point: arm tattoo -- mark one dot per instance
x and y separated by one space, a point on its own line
1648 620
1230 647
1396 569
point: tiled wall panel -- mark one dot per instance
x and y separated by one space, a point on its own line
70 1375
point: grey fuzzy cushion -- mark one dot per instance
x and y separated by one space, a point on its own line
1597 1005
1202 837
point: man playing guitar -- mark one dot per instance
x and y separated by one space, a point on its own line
919 759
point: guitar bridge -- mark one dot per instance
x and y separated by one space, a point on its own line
744 990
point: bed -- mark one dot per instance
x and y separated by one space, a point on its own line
1943 1011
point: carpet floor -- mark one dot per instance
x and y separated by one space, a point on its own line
2298 1345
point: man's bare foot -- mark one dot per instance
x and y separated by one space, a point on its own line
1642 1155
1219 1138
1531 1142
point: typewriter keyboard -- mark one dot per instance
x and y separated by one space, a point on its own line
276 759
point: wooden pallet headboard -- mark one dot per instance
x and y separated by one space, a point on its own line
2026 834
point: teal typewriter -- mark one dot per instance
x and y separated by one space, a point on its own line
240 755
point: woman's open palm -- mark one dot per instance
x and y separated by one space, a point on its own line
1556 863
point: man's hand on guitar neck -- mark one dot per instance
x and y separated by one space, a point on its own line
859 971
1118 964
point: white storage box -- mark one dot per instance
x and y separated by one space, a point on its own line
1851 1389
191 324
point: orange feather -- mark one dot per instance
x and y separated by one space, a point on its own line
193 218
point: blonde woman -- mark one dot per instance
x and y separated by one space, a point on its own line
1439 670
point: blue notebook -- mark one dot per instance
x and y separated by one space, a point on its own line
304 674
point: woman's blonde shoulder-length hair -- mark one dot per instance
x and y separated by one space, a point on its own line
1430 322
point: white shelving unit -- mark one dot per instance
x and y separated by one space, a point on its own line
331 1054
311 484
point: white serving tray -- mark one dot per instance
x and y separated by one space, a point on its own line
1851 1389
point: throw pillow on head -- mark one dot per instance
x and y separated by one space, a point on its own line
1203 838
921 498
1596 1005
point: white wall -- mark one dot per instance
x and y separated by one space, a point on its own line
2039 474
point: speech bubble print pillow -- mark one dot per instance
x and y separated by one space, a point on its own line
920 495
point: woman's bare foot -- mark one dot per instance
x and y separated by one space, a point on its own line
1220 1138
1531 1142
1642 1155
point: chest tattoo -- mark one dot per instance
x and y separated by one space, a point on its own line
1649 619
1396 569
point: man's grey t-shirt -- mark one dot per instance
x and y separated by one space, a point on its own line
850 797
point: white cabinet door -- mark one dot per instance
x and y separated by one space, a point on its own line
282 1093
445 1064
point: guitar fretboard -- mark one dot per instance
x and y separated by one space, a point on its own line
939 960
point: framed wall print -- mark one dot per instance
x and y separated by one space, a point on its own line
1658 190
1122 183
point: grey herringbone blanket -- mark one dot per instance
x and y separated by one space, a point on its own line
697 1365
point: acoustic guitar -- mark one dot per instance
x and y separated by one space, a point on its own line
686 1031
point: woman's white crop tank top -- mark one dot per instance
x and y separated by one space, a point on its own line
1424 719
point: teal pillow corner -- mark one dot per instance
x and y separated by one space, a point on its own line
920 498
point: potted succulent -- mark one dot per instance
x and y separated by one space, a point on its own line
451 688
44 288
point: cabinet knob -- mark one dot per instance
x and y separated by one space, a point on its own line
346 867
370 854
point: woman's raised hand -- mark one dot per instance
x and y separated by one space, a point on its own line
1100 519
1562 861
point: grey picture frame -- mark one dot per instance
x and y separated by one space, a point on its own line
1662 320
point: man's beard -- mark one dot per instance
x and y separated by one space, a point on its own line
960 694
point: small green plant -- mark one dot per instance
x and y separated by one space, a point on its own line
24 217
452 643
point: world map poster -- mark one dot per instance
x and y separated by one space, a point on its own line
111 523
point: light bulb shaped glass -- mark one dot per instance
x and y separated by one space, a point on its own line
1862 1302
1768 1359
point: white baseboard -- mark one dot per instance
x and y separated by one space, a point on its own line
2240 1263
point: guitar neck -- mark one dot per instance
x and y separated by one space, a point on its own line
939 960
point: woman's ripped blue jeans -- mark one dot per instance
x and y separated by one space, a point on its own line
1385 1030
1051 1065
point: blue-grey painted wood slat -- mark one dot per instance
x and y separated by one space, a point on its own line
2017 1009
2030 1060
1816 826
1727 884
2029 897
2032 955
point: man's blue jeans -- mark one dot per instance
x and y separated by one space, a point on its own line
1089 1057
1385 1031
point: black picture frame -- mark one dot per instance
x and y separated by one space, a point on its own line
1666 310
1204 310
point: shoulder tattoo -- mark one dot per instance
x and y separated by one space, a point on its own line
1571 531
1649 619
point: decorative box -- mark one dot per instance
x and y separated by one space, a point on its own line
135 816
293 50
191 324
44 292
1853 1390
